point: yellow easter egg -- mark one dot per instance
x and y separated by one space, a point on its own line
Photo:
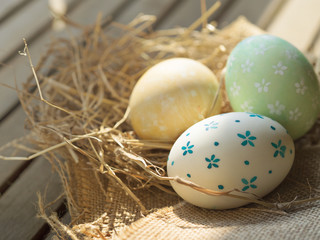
171 96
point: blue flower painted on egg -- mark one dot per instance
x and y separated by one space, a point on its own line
256 115
187 149
249 184
247 138
280 150
238 154
213 162
211 125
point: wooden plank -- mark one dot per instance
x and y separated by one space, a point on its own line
316 46
8 168
297 22
156 8
270 12
11 42
19 68
18 205
9 6
10 129
252 10
25 23
87 12
187 12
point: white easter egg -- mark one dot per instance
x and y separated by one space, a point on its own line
238 150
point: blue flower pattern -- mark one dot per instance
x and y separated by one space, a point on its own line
249 184
280 150
247 139
255 115
212 162
211 125
187 149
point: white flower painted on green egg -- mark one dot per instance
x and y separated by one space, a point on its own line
235 89
291 54
263 86
231 60
245 107
315 102
276 108
246 67
261 49
294 114
300 87
279 68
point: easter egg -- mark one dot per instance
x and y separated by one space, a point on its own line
244 151
171 96
269 76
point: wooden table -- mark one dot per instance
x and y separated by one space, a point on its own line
295 20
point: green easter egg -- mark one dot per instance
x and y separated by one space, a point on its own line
269 76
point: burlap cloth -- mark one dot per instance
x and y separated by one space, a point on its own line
184 221
176 219
100 208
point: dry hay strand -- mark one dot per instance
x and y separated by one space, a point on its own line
80 109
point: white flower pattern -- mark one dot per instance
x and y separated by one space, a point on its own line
291 54
261 49
246 67
245 107
279 68
263 86
231 60
300 87
276 108
294 114
315 102
235 89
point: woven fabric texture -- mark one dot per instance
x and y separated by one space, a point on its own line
184 221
